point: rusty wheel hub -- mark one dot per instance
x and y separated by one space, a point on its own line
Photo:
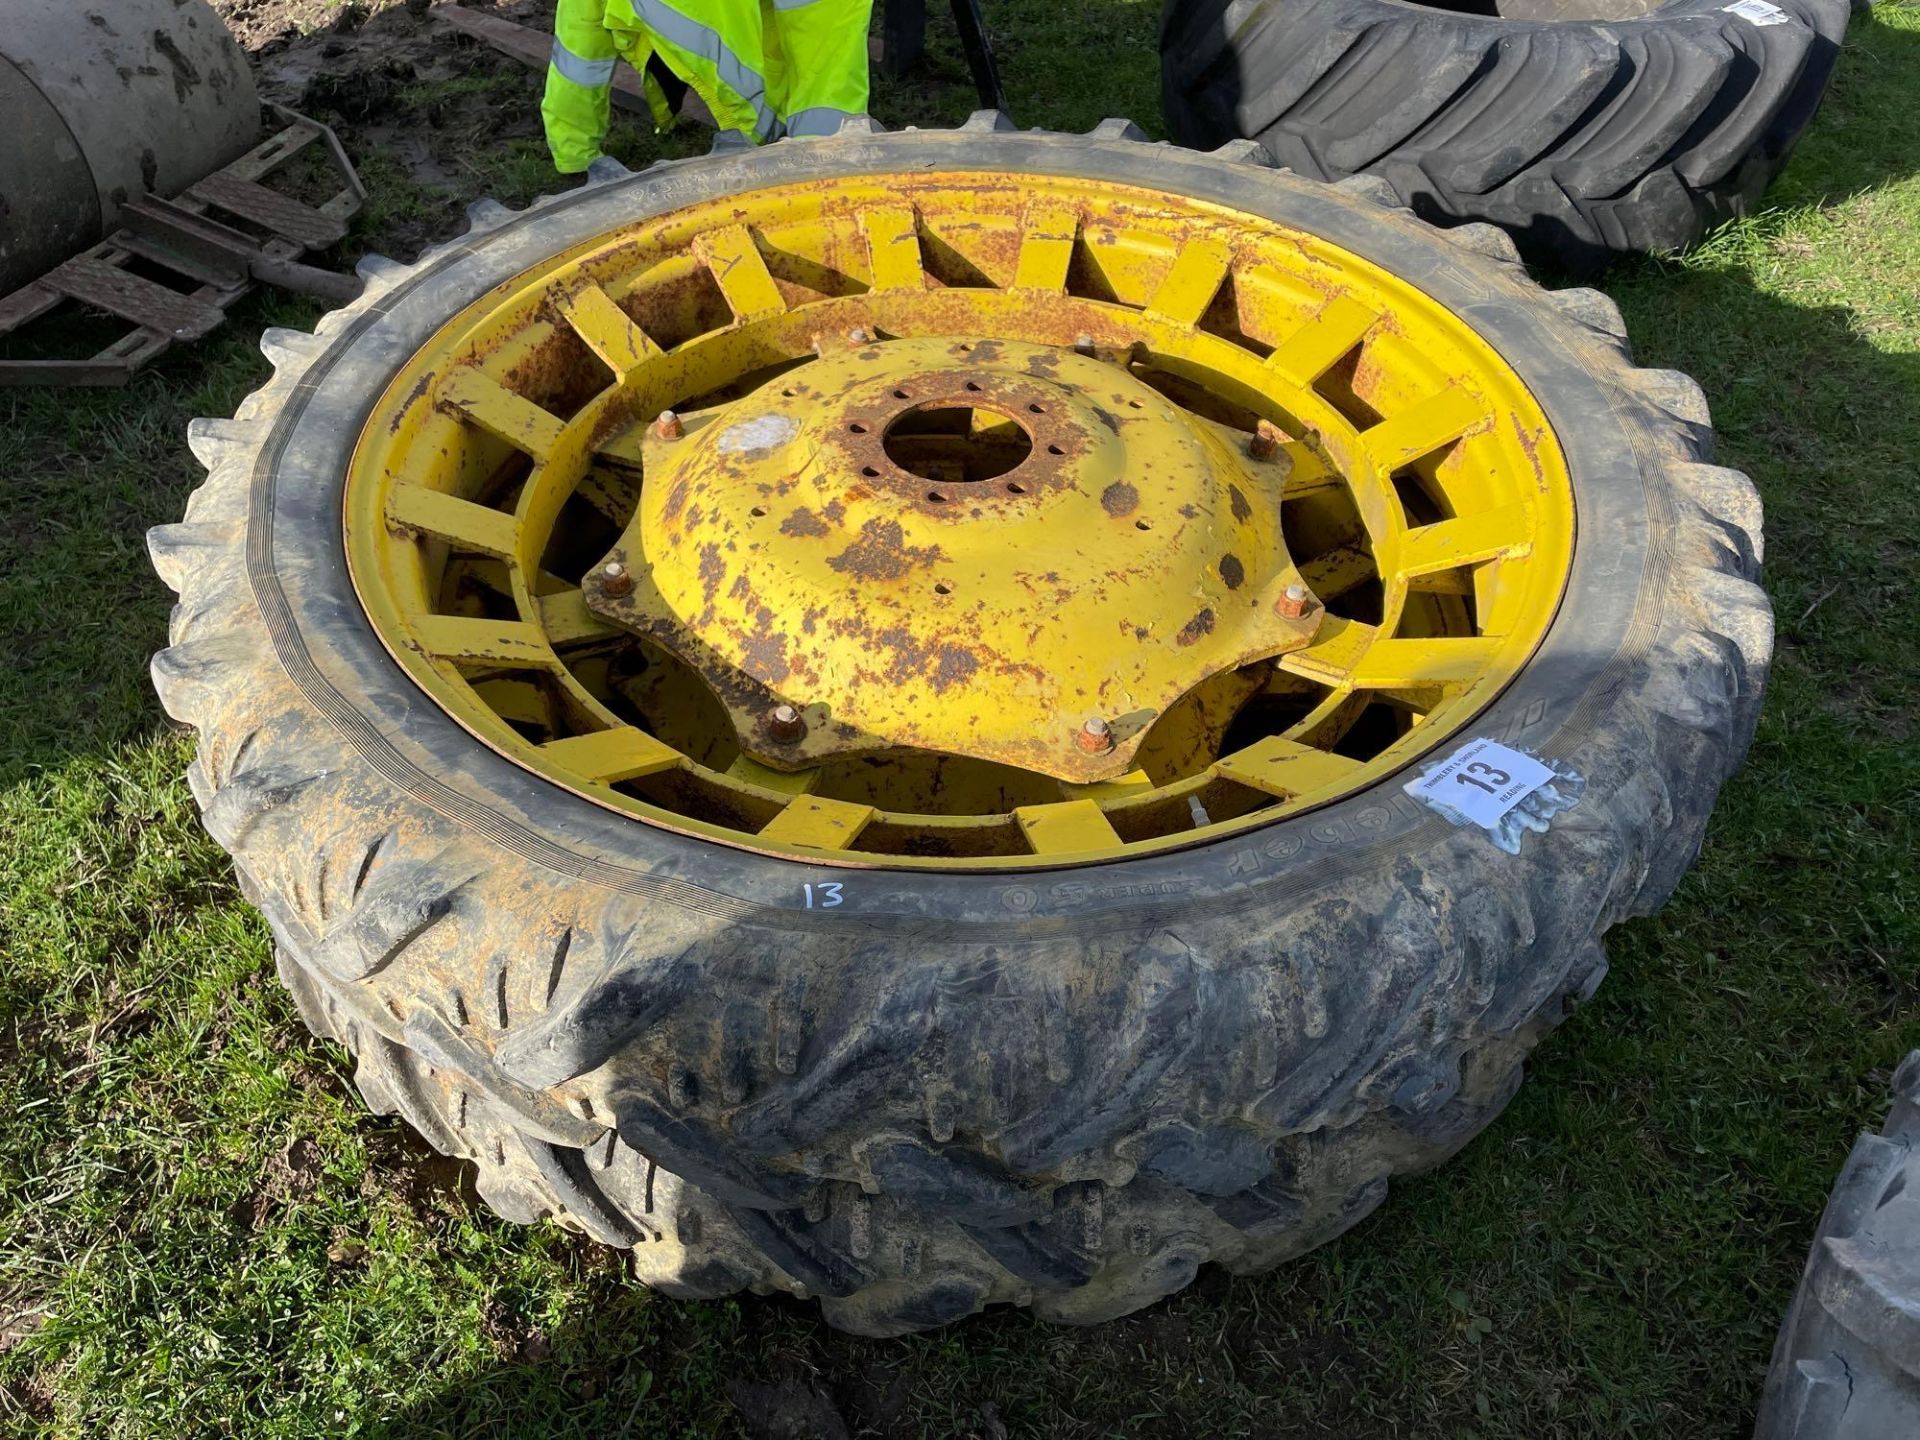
922 542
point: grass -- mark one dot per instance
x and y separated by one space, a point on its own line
201 1232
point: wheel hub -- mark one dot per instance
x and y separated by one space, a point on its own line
970 547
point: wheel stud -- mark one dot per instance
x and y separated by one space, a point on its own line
857 336
1265 441
668 426
1083 344
786 724
1294 603
614 579
1095 736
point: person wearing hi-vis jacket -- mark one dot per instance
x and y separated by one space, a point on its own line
766 68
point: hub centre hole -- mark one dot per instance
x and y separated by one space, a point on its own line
956 444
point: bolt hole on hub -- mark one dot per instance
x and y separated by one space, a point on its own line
927 521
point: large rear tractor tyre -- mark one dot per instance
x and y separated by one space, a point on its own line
1586 128
967 805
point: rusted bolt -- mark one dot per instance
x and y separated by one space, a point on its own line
786 724
1264 444
1095 736
614 579
668 426
1295 603
1084 344
857 336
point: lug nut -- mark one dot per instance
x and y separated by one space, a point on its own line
668 426
1084 344
1095 736
614 579
857 336
786 724
1295 603
1265 441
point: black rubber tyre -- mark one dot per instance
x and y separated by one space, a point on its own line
1847 1364
1063 1089
1586 128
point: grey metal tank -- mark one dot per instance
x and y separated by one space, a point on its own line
100 102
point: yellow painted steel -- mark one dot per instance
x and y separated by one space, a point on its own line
777 538
1413 486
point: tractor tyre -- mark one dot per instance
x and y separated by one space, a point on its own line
916 1034
1585 128
1847 1364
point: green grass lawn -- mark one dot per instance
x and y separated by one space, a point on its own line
202 1233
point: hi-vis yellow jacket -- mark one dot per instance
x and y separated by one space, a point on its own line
764 67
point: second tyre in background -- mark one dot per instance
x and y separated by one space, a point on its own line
1587 128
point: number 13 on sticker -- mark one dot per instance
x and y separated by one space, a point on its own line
1482 780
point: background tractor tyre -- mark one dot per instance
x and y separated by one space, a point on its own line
1066 1089
1586 128
1847 1364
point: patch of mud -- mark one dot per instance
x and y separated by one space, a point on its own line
419 106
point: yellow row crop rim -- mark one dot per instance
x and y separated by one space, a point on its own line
1290 299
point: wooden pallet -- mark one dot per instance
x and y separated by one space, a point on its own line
215 262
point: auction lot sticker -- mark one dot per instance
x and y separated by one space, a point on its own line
1481 781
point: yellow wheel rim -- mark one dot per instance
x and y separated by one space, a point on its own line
937 521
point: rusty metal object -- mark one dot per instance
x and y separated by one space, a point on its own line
930 535
787 724
1095 736
100 104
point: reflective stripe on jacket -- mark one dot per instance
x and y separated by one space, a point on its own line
763 67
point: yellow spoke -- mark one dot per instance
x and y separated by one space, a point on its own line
1334 573
1421 429
1316 347
1408 664
610 492
1441 582
517 700
1046 248
607 756
819 823
607 331
893 248
487 571
1465 541
462 523
1286 768
567 621
1336 649
505 642
1063 828
501 413
1192 281
733 257
1307 472
791 782
1327 723
1134 782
